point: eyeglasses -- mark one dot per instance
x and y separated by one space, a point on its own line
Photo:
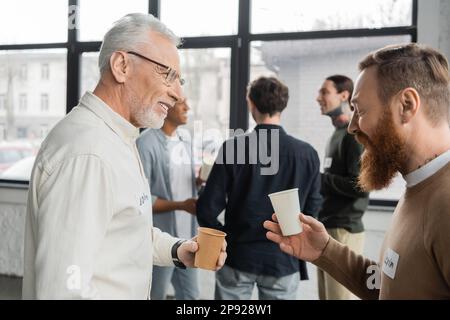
171 74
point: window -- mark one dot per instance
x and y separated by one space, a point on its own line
210 114
45 71
11 154
25 21
97 16
206 17
23 102
226 44
44 102
44 130
22 133
23 120
269 16
90 73
23 73
219 88
303 65
2 102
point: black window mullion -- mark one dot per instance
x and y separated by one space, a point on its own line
93 46
73 63
331 34
154 7
415 19
240 71
30 46
208 42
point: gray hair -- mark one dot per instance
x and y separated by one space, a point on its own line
128 32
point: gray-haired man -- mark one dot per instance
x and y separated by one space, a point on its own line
89 227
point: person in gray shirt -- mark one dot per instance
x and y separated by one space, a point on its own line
166 155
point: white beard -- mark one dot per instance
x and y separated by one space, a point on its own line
147 118
144 116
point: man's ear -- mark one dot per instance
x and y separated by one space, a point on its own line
250 104
120 66
410 104
345 95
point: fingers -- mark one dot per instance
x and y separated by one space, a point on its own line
272 226
279 239
224 246
274 217
287 249
221 260
191 246
274 237
313 223
306 227
222 256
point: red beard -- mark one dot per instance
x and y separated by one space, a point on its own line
383 157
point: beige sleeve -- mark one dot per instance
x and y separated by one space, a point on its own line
437 238
162 247
358 274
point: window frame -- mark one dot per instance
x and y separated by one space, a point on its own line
45 102
45 71
240 57
23 102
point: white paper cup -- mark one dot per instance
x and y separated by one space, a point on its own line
205 171
287 208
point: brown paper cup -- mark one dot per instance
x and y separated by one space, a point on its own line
210 243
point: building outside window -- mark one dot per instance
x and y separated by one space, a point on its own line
23 75
45 71
2 102
23 102
22 133
44 102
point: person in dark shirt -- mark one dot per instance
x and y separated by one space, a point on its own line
344 203
248 168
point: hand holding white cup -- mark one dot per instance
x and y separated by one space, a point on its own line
287 208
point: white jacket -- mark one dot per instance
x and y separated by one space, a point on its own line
89 231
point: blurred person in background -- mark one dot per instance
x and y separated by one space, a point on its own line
242 189
344 203
166 155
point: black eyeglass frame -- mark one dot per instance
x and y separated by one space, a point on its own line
171 74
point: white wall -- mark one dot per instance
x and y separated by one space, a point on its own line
12 228
433 24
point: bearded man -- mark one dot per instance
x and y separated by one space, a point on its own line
401 108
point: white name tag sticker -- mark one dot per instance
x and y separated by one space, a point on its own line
327 163
390 263
144 203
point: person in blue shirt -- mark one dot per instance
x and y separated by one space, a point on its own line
166 155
